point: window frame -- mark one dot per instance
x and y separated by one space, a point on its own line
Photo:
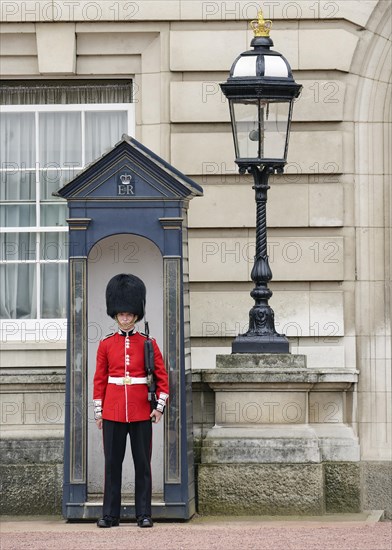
38 329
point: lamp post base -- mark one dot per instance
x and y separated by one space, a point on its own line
268 343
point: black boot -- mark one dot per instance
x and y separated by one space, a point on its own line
108 521
144 521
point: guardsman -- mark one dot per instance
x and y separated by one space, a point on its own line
121 404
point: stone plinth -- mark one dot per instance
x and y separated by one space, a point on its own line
278 424
260 360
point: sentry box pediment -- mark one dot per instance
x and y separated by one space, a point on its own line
128 214
130 171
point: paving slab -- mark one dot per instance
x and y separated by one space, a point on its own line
362 531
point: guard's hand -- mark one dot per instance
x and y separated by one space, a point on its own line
99 423
156 416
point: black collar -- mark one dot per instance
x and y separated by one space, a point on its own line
126 333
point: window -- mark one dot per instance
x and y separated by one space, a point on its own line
49 132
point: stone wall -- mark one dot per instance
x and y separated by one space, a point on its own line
32 428
32 475
32 466
288 489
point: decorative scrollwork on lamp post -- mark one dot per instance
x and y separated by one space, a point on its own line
261 91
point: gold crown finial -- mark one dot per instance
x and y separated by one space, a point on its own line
261 26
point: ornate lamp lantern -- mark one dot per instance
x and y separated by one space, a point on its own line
261 91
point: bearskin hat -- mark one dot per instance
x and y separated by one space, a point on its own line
125 292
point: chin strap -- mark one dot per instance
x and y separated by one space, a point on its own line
127 328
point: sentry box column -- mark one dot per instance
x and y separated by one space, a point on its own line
128 214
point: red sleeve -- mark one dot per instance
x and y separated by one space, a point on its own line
161 378
101 372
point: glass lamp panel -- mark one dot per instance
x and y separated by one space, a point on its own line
260 128
274 124
245 124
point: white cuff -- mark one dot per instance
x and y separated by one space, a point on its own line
163 397
161 403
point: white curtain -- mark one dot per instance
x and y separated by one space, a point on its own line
60 139
53 291
17 152
18 291
60 92
53 248
17 281
17 140
17 195
103 130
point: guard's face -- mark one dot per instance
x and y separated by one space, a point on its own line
126 320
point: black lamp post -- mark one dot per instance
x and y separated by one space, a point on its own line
261 92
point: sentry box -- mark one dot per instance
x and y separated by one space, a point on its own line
128 214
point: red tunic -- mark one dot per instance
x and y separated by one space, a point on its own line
116 356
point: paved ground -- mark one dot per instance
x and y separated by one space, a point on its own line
334 532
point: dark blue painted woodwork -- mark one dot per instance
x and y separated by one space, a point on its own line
161 191
153 176
127 190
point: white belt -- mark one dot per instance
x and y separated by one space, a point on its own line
125 380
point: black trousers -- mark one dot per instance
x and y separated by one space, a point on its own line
114 442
